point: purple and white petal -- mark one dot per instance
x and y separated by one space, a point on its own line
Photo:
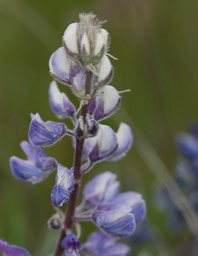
26 171
65 177
112 191
49 164
132 201
59 195
36 168
100 188
34 153
63 187
105 103
106 144
115 222
125 141
38 157
60 105
88 146
70 39
45 133
129 198
78 84
105 71
139 211
60 65
102 42
12 250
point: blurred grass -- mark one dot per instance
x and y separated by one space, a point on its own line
156 43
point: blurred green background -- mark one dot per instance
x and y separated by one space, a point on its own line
156 42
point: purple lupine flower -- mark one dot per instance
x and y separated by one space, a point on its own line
116 213
71 245
118 144
105 103
45 133
101 188
106 144
12 250
64 185
60 105
36 168
119 223
187 145
99 243
61 66
125 141
132 202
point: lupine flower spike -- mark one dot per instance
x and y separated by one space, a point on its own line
82 64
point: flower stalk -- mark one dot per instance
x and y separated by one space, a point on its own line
70 211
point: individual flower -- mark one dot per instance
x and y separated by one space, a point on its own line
105 145
45 133
64 185
102 188
62 68
71 245
127 210
108 145
125 140
102 145
12 250
60 105
37 166
105 102
115 222
99 243
132 202
116 213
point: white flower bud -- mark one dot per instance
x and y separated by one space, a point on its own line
70 39
101 42
86 41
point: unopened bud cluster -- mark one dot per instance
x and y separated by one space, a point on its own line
84 49
83 65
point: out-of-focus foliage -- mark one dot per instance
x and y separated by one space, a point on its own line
156 44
